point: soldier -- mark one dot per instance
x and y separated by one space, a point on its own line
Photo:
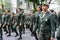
23 21
8 22
13 20
36 21
4 20
16 23
28 19
1 34
21 18
58 28
55 18
46 23
32 21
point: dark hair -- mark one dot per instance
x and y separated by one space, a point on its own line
8 10
5 14
40 8
13 13
33 11
20 9
52 10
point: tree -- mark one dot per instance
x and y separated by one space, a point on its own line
35 2
5 5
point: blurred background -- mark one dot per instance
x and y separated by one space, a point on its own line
27 4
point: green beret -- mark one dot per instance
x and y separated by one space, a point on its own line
45 3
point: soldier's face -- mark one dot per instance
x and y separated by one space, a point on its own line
32 12
44 7
6 11
38 9
18 10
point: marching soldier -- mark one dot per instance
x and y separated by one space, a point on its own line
13 20
8 22
36 21
21 18
46 23
4 20
58 28
28 20
23 21
32 21
55 18
1 34
15 23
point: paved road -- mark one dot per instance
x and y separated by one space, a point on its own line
26 36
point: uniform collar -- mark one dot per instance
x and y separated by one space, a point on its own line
45 12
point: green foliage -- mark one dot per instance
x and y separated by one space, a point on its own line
8 5
42 0
34 6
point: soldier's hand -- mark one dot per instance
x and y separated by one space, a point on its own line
52 38
20 24
8 23
0 24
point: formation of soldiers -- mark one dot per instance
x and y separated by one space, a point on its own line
10 21
42 23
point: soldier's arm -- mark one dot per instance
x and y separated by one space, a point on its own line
34 25
2 18
8 19
52 26
58 19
